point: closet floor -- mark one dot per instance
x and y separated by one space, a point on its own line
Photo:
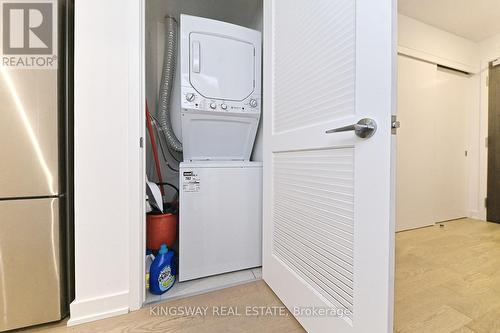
207 284
448 278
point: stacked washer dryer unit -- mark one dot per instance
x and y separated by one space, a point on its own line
221 190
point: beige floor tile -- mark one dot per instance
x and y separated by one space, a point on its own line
444 320
449 275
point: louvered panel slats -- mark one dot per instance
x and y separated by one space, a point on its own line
314 219
337 267
318 48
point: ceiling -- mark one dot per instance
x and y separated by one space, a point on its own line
475 20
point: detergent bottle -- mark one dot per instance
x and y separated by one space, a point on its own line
161 277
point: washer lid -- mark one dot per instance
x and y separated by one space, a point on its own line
221 67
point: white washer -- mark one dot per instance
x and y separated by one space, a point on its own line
220 227
220 89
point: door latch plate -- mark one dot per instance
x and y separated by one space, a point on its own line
395 124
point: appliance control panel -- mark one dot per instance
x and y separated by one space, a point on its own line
191 99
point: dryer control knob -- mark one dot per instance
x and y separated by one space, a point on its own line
253 103
213 105
223 106
190 97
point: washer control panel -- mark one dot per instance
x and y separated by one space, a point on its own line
191 99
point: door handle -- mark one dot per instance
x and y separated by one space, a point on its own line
196 56
365 128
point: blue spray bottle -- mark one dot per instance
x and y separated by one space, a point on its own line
161 277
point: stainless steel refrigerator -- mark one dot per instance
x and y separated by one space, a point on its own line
35 214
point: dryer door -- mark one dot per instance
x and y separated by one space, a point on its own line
221 67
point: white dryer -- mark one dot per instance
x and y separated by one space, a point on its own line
220 89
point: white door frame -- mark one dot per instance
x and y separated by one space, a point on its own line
137 163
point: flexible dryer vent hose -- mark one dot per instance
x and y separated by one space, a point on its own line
167 82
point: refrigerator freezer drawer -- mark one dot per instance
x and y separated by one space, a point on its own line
30 272
28 133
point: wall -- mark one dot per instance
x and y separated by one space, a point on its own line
422 41
476 153
489 49
108 200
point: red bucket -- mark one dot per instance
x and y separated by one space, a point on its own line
160 229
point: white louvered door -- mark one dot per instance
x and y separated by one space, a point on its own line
328 198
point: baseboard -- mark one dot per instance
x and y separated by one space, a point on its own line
87 310
477 215
473 214
415 227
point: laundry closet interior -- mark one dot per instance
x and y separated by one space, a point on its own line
203 89
203 80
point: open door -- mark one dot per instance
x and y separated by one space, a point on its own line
329 88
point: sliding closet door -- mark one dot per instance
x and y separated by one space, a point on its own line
432 171
415 157
453 102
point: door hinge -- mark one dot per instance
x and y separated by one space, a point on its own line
486 142
486 202
141 142
395 124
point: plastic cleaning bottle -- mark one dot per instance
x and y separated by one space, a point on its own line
161 277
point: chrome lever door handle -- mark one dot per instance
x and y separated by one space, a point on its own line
365 128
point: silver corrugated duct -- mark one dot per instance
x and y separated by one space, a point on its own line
167 82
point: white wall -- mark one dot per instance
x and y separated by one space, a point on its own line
489 50
476 198
422 41
108 209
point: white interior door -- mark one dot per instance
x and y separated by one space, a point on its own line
328 205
